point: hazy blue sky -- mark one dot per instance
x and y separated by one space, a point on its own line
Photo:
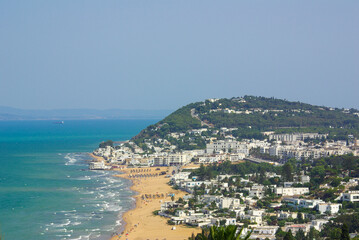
165 54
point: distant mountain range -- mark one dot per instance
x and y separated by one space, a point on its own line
9 113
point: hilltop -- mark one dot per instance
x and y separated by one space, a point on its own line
249 117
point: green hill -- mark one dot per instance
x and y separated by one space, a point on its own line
253 115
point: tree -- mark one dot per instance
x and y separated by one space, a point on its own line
335 182
300 218
280 233
313 234
345 232
220 233
300 235
105 144
287 171
288 236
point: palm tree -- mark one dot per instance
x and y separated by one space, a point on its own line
220 233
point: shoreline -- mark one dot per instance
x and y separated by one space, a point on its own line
139 222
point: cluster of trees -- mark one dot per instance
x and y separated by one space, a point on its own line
188 142
248 133
231 233
179 121
325 170
220 233
106 143
182 120
255 152
211 171
333 133
254 102
337 124
319 119
341 225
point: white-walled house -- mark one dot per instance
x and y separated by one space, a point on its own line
351 196
263 232
302 203
332 208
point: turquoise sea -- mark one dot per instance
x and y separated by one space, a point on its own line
46 189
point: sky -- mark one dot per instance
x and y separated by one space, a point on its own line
165 54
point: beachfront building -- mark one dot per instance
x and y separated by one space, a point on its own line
192 184
180 176
171 160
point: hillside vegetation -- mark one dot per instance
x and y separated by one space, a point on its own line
253 115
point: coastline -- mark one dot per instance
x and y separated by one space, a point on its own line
140 222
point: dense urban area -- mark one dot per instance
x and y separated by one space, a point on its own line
276 169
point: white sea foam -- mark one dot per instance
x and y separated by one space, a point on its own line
100 196
84 178
86 237
71 159
67 211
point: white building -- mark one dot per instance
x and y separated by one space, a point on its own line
296 227
208 159
302 203
304 179
263 232
181 176
331 208
171 159
286 215
193 184
351 196
293 137
229 203
227 146
318 224
291 191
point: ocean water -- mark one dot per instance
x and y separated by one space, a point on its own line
46 189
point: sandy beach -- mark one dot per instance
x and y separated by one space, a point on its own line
141 223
